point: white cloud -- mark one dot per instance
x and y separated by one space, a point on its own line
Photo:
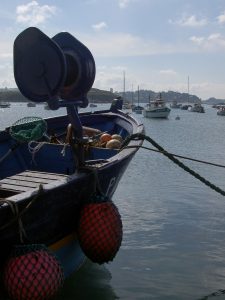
124 3
206 90
6 55
124 44
168 72
99 26
221 18
6 75
6 50
32 13
119 68
112 77
214 42
197 40
190 21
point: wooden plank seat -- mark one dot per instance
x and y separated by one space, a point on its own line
28 180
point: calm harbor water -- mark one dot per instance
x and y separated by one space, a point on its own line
174 226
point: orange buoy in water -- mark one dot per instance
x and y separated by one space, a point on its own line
32 273
100 231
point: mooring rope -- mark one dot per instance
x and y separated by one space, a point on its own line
18 214
214 294
13 148
14 208
35 149
140 136
96 182
180 156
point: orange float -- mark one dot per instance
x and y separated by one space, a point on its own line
117 137
113 144
105 137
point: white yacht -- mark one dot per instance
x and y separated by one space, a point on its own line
221 110
197 108
156 109
4 104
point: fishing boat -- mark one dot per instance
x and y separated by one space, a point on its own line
174 104
221 110
197 107
127 105
138 108
156 108
31 104
58 174
4 104
93 105
186 106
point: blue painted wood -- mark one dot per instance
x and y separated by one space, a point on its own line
70 256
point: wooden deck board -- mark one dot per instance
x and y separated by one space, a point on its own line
13 181
50 176
31 179
10 187
28 180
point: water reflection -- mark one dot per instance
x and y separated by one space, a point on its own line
92 281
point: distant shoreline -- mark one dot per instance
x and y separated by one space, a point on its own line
102 96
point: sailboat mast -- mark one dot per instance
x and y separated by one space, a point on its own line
138 95
124 86
188 89
132 95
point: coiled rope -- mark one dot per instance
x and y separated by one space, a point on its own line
140 136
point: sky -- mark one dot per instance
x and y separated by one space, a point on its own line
157 44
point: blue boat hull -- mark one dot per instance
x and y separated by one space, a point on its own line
69 253
52 218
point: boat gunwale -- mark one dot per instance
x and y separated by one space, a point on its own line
99 164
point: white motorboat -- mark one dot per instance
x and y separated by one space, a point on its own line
221 111
31 104
156 109
197 108
174 104
4 104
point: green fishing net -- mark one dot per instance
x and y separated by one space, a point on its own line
28 129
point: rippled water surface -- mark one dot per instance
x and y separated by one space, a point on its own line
174 226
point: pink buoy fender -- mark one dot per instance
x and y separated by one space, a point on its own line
100 231
32 273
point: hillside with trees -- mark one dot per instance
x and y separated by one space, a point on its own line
103 96
95 95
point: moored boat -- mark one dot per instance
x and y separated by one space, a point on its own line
127 105
31 104
156 109
174 104
138 108
93 105
197 107
221 110
186 106
4 104
58 175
